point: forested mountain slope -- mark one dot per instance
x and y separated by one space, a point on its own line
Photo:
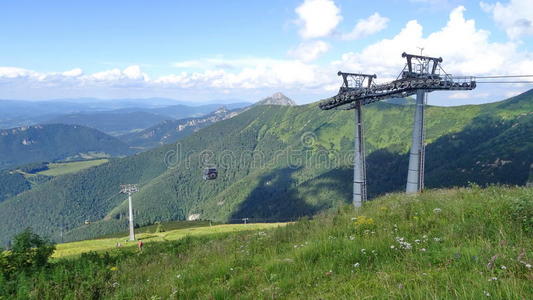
278 162
53 142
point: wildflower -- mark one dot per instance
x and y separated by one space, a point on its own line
331 237
392 247
356 265
115 284
423 249
374 252
503 267
437 210
231 269
424 274
362 220
405 245
178 276
486 293
353 219
113 269
363 251
372 232
493 278
352 237
417 241
528 266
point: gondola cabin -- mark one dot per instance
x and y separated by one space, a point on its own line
210 173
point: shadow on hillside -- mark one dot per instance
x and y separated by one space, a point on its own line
274 199
487 151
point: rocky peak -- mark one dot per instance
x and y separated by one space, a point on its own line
277 99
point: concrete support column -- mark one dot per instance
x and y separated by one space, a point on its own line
132 232
415 175
359 170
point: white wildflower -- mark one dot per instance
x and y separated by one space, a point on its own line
486 293
363 251
503 267
352 237
528 266
493 278
392 247
437 210
423 249
178 276
356 265
417 241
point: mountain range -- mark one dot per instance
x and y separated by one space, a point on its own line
116 116
170 131
278 162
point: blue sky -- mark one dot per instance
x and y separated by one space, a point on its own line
209 50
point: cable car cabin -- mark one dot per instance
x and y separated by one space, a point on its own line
210 173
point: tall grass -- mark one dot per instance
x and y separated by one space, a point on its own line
444 244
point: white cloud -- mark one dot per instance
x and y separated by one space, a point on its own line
309 51
515 17
73 73
12 72
317 18
466 50
365 27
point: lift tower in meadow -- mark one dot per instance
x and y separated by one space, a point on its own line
129 189
420 75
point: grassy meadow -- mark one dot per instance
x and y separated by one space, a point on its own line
108 244
467 243
56 169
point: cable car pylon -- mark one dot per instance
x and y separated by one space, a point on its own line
420 75
358 81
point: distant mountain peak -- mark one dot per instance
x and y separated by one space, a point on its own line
277 99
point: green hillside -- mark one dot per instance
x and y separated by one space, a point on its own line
467 243
279 163
55 142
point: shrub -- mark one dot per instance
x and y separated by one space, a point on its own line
30 252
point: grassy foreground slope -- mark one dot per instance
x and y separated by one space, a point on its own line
466 243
